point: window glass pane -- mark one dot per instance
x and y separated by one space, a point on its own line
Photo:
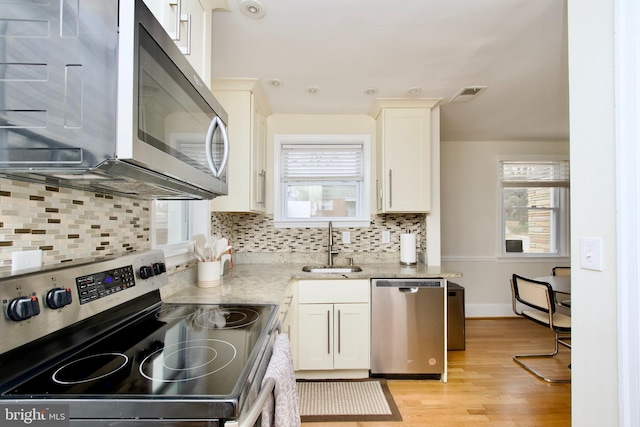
531 215
309 200
171 225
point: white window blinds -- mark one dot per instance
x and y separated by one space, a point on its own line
534 174
305 162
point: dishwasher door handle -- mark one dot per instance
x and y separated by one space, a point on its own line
409 290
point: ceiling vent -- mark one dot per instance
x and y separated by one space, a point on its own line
467 93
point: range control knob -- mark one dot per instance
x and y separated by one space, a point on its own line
146 272
23 308
58 297
159 268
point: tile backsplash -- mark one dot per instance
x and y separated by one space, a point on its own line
251 233
68 224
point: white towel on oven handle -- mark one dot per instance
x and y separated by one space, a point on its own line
286 412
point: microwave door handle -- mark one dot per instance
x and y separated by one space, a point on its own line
215 124
225 140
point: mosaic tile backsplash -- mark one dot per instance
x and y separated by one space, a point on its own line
68 224
256 233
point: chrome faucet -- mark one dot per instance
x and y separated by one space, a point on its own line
330 249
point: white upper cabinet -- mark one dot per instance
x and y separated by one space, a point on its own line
403 152
188 22
247 108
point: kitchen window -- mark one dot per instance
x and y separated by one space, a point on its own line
175 222
322 178
535 208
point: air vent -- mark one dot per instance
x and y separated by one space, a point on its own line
467 93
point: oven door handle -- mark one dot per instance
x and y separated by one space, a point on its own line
251 416
255 411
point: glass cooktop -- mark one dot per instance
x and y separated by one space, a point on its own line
174 350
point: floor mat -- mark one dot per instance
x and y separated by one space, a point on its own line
346 400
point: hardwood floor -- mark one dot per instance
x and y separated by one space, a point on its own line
485 386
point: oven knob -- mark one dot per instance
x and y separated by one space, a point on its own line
58 297
159 268
23 308
146 272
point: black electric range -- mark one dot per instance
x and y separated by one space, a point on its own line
95 342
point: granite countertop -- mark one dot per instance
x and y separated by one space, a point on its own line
267 283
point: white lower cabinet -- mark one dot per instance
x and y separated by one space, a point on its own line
333 328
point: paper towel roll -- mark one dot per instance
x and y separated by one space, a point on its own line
407 249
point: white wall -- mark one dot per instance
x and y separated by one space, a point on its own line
593 192
471 222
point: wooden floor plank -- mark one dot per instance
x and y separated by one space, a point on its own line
486 388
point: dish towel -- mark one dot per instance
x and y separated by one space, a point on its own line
286 412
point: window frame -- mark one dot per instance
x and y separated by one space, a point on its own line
199 222
363 219
562 231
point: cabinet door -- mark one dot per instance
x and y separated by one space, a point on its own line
351 347
407 159
258 161
189 25
315 336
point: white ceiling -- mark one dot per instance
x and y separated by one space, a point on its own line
518 48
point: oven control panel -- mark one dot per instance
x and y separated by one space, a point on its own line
41 301
99 285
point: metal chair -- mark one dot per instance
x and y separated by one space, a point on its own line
539 299
562 271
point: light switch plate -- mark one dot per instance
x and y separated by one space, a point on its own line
346 237
591 253
386 236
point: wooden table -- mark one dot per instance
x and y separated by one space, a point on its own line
559 284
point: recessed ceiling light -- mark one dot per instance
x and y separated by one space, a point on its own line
313 89
371 90
275 83
414 90
253 9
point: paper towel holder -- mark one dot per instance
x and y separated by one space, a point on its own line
409 264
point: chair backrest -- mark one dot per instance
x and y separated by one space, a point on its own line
561 271
533 293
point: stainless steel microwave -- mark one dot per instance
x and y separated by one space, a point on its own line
95 95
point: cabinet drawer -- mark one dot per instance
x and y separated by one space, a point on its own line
333 291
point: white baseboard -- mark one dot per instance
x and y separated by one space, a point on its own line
488 310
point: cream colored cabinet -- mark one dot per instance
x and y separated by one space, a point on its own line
247 110
403 152
188 22
333 328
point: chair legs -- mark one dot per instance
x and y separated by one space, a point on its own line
560 339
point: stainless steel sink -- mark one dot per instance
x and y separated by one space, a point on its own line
331 269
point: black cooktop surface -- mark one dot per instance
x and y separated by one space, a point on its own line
176 350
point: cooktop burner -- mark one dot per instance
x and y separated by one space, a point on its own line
188 360
84 369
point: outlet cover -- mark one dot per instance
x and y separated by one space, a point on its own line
26 259
346 237
386 236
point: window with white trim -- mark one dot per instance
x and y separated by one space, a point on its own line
320 179
175 222
535 207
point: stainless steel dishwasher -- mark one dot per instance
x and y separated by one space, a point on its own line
408 327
